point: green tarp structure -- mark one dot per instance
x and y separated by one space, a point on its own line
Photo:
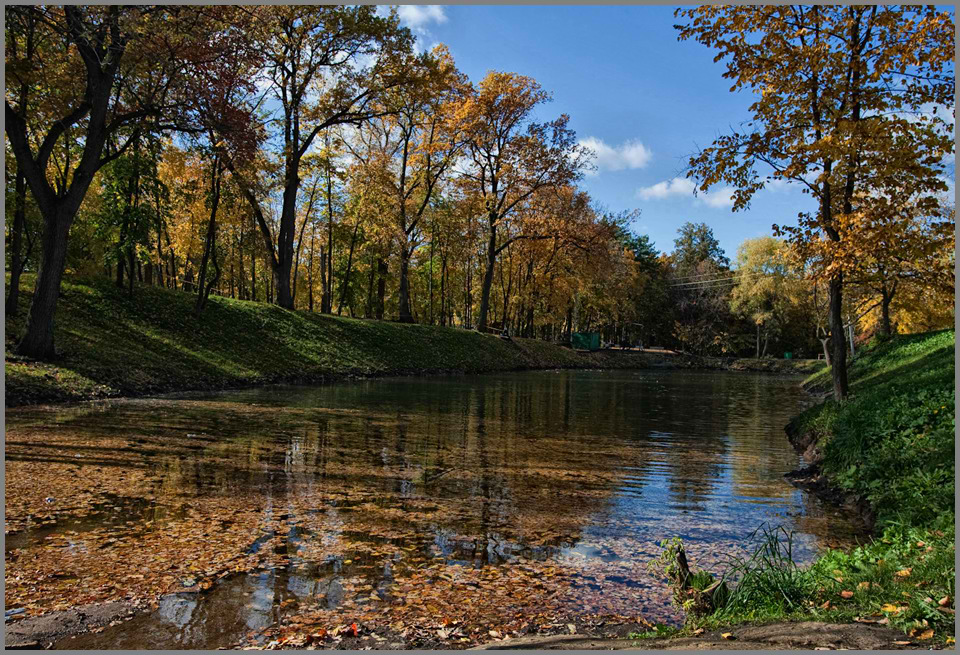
585 340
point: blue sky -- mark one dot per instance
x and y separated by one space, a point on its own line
643 100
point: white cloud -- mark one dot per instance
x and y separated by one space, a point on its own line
681 186
417 17
678 186
628 155
720 198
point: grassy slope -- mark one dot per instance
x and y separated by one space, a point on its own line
892 443
113 345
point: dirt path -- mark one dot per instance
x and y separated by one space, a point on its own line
776 636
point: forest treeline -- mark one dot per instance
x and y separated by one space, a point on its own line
313 157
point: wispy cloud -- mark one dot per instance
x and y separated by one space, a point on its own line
628 155
678 186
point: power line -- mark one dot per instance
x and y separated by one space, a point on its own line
732 279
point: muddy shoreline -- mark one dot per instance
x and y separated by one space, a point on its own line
811 478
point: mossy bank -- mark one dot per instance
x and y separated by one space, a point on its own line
111 344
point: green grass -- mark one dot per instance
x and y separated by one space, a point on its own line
891 443
114 345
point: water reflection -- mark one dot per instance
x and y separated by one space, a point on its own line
352 491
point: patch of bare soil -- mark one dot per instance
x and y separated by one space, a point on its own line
37 632
775 636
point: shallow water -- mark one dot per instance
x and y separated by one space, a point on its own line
492 500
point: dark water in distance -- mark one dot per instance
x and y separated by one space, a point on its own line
580 470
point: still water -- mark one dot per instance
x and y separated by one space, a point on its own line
487 501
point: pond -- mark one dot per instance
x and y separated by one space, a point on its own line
462 505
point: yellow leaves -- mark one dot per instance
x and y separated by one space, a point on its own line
728 635
890 608
922 633
903 573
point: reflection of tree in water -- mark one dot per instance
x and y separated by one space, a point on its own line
472 469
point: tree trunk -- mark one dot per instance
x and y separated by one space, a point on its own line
313 234
838 346
381 286
131 264
443 288
326 301
345 283
405 315
430 281
253 275
758 341
373 275
38 342
886 297
16 245
488 277
202 288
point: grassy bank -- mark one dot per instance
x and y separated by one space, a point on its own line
114 345
891 445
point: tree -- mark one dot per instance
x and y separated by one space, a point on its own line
694 244
110 73
510 157
840 93
769 284
900 241
314 67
